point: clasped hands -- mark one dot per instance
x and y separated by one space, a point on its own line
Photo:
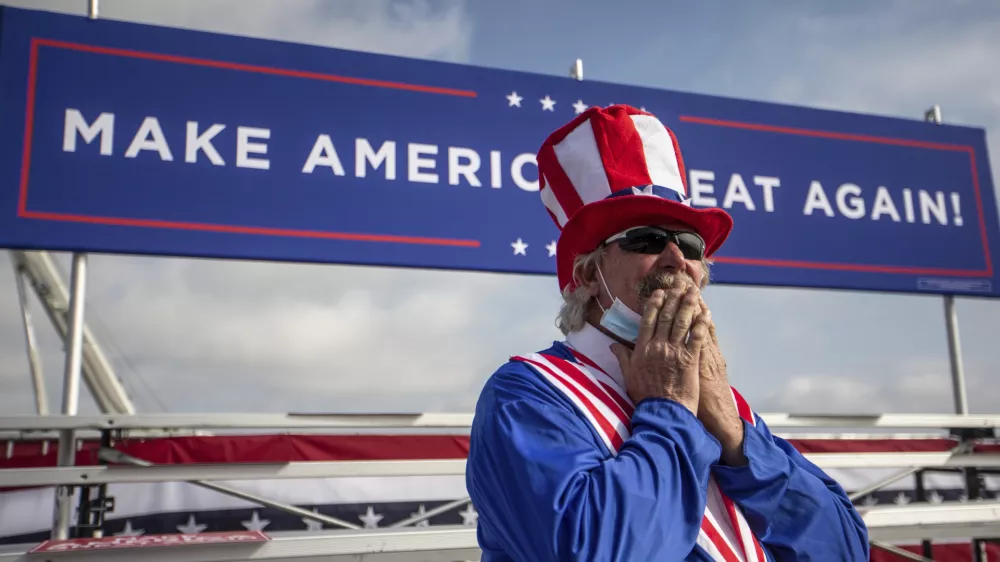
676 356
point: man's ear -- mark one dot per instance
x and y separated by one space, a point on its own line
593 284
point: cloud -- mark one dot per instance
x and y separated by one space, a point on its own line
440 29
199 335
202 335
207 335
910 61
848 351
902 388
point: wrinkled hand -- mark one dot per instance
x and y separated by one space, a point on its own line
716 407
665 361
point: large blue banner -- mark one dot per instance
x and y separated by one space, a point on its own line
136 139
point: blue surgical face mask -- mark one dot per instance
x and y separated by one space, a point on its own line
619 319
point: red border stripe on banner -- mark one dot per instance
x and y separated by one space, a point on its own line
987 272
23 212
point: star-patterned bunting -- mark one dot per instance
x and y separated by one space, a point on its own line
128 531
191 527
276 521
312 524
469 516
370 518
421 511
255 523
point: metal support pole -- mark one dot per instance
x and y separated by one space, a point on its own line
955 354
34 360
957 371
900 552
71 392
53 294
92 9
115 456
933 115
436 511
883 483
921 492
92 512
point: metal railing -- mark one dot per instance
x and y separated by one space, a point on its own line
915 522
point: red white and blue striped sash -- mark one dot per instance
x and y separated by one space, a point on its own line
609 409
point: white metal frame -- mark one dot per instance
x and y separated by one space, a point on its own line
93 475
28 422
915 522
434 544
885 522
290 421
44 278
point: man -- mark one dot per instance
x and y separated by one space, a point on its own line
625 442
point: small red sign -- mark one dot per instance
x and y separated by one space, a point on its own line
144 541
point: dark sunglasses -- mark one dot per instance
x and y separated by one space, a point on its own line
653 240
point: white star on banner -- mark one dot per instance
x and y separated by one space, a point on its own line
642 109
935 497
901 499
548 104
469 516
551 247
514 99
421 511
870 501
579 106
192 527
256 523
128 531
370 518
519 247
312 524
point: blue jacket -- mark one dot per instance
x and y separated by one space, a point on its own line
548 489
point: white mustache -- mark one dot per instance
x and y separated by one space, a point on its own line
660 280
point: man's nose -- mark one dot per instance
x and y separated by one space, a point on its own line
671 257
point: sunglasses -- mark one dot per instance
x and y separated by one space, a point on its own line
653 240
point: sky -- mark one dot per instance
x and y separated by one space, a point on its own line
189 335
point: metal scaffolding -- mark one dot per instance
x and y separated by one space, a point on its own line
920 521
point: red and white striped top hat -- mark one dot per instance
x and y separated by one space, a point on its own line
611 169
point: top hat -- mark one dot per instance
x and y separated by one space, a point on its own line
611 169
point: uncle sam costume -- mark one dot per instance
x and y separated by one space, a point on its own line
564 467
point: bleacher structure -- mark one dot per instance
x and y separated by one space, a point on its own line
943 469
917 447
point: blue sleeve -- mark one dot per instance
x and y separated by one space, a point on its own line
546 491
792 506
